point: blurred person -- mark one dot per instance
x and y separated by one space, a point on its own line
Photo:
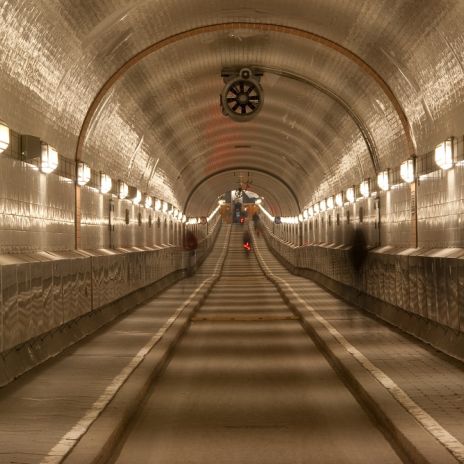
191 245
246 241
358 251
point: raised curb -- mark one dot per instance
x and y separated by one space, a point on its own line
97 445
410 439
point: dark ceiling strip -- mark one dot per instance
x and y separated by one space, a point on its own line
368 139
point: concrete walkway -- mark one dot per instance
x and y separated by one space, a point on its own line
46 411
383 364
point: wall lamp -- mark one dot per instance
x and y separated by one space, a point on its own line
106 184
330 202
407 170
137 197
444 154
148 201
350 195
123 190
83 173
4 137
48 158
339 199
158 204
383 180
364 188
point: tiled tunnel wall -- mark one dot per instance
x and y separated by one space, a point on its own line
42 292
427 284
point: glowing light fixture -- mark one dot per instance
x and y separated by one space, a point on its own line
137 198
123 190
383 180
148 201
330 203
339 199
221 202
184 218
165 207
48 159
310 211
300 217
407 171
350 195
105 183
364 188
444 155
316 208
158 205
305 214
4 137
83 173
259 201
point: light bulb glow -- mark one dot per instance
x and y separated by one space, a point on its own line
105 183
383 180
339 199
258 201
300 218
83 173
316 208
407 171
123 190
350 196
148 201
138 197
364 188
4 137
165 207
158 205
330 203
48 159
444 155
305 214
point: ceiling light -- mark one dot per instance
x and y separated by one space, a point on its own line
4 137
444 155
48 159
407 171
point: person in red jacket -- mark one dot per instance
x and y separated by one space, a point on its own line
191 245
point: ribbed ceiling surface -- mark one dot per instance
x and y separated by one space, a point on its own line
329 118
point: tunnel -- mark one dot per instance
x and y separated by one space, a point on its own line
231 232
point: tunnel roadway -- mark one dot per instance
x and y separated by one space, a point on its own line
247 384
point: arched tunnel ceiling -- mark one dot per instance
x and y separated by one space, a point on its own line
159 125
